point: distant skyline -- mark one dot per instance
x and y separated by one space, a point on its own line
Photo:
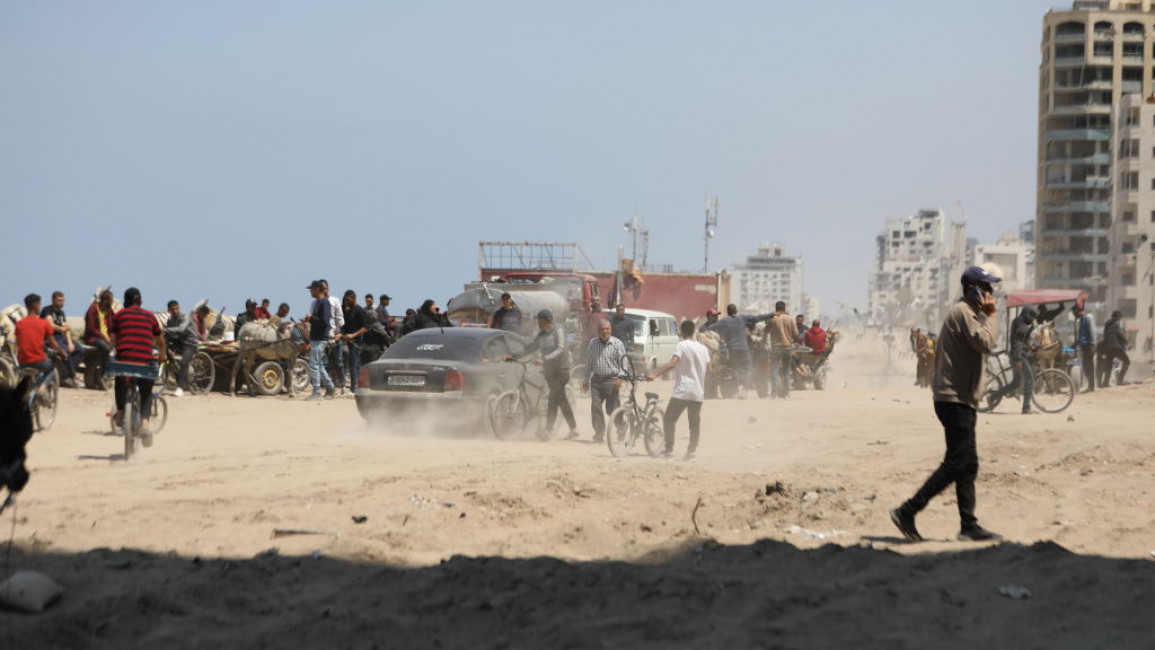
226 150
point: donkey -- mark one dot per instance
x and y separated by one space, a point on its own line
15 431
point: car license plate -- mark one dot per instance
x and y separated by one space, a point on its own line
406 380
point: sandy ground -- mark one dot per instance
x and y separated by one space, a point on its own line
472 542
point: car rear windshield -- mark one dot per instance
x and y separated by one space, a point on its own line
443 347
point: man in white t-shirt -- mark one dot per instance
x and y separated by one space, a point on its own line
689 364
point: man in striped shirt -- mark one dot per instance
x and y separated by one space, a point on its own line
135 333
604 374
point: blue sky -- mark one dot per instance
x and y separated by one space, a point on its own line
233 149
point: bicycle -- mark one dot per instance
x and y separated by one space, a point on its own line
201 372
511 412
631 420
130 423
43 399
1054 388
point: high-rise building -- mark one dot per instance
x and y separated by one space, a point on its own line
917 269
1092 55
1131 261
766 278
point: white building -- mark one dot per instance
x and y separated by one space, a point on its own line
1131 258
1014 259
766 278
916 270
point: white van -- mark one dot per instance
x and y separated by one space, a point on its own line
655 337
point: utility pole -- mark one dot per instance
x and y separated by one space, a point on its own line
634 226
711 225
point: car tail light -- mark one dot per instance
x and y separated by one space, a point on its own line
363 378
454 380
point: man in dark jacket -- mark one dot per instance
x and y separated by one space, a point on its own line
1114 346
621 327
1020 353
356 325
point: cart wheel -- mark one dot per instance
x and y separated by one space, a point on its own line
268 378
300 376
201 374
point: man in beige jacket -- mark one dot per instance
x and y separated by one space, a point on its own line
968 334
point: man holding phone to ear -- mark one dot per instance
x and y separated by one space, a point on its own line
968 334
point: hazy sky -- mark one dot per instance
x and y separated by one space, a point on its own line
239 148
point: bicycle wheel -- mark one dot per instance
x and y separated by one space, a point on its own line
653 433
622 430
201 374
994 383
159 410
170 377
131 422
509 415
1054 390
44 403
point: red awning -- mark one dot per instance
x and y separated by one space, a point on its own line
1043 296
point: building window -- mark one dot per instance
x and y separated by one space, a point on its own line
1128 216
1129 180
1127 247
1128 148
1129 306
1128 280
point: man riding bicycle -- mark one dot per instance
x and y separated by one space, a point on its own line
135 334
32 333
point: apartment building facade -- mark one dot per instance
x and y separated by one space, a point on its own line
918 262
1131 259
767 277
1093 55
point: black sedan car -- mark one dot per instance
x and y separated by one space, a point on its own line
441 378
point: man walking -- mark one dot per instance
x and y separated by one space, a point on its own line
1114 347
555 365
1020 354
732 329
968 334
782 332
689 364
604 373
1085 341
320 333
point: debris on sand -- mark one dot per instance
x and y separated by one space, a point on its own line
284 532
775 488
1015 592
